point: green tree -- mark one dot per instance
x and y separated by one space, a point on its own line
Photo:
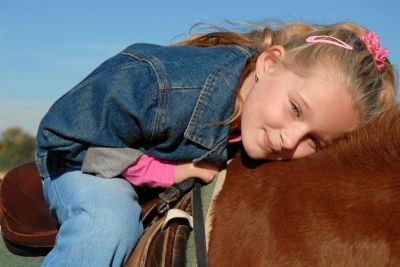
16 146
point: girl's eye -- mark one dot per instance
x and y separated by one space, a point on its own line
295 109
315 143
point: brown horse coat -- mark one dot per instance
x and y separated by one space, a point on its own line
339 207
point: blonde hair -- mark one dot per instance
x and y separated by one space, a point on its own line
372 90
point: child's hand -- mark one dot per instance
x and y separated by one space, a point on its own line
203 170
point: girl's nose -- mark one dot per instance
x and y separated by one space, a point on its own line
292 136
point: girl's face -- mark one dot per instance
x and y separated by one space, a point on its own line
287 116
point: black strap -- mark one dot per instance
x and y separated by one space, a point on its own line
199 231
172 195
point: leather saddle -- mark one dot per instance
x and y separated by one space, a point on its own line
26 224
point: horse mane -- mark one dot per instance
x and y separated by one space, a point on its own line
378 141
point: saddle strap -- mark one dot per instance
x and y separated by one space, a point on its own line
171 195
199 232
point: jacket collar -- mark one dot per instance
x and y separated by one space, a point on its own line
216 101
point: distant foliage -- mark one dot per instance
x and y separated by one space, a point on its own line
16 146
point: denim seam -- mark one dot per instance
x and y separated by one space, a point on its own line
58 196
162 92
185 88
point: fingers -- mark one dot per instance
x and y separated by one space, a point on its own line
205 171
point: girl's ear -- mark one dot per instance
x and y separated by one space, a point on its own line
267 60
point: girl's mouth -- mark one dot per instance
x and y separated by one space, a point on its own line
269 145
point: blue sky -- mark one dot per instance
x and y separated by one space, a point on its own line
46 47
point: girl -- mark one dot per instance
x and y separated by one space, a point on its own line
290 91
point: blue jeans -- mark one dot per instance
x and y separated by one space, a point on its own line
99 218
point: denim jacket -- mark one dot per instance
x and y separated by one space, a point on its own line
165 101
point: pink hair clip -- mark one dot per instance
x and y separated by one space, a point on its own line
371 41
328 40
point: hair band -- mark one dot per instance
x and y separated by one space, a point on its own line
371 41
328 40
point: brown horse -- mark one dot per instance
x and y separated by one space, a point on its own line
340 207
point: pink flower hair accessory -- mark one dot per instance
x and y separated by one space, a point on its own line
371 41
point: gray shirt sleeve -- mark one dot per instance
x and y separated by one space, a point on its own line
109 162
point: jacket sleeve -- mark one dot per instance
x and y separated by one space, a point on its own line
151 172
113 107
132 164
109 162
